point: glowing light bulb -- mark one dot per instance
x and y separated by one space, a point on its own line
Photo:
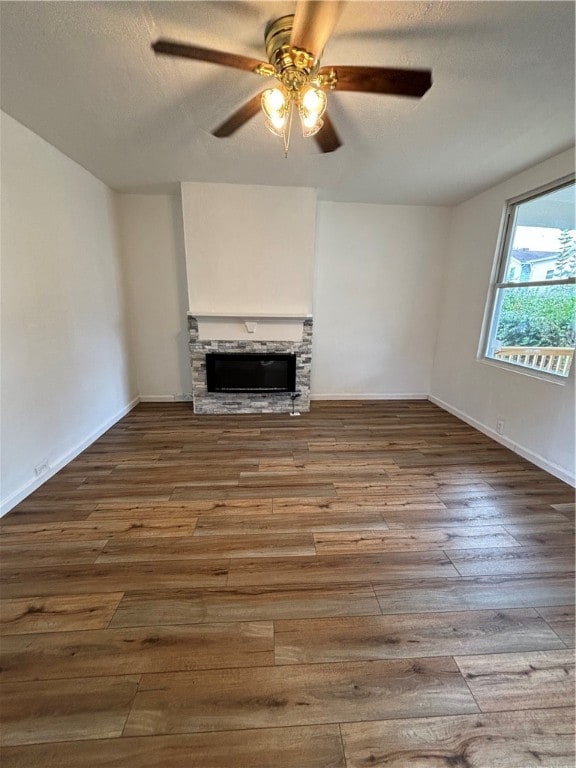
309 121
276 129
311 130
278 120
274 99
314 101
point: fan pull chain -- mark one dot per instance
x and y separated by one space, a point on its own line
288 129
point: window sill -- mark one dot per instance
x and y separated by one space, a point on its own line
550 378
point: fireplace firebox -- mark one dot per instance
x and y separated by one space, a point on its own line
250 372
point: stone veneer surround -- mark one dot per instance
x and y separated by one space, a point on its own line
249 402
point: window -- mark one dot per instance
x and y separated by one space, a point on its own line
533 300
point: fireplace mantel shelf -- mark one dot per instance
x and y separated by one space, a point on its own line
249 315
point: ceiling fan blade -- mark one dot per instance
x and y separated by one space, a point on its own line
396 82
183 50
238 118
314 22
327 138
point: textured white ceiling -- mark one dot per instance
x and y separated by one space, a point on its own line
82 76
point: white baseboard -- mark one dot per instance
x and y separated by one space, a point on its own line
375 396
32 485
535 458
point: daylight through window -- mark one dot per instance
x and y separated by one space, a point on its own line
533 318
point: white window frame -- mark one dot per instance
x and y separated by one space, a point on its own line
498 282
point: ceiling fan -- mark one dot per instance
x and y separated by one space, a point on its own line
294 46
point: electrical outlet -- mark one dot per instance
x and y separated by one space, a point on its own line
41 469
500 427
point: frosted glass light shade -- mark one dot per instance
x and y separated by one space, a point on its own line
311 108
274 103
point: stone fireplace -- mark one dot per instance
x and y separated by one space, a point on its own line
256 334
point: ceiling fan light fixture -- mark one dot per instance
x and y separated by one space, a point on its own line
311 106
294 46
275 103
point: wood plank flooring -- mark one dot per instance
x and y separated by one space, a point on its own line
369 584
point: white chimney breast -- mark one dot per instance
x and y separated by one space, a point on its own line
249 249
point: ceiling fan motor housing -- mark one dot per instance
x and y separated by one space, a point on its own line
292 65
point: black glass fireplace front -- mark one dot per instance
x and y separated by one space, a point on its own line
246 372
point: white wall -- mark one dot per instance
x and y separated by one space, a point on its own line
249 248
539 415
65 370
376 299
152 243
